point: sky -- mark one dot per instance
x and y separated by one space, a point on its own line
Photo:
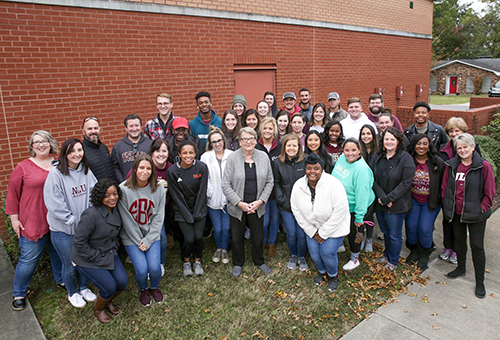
476 4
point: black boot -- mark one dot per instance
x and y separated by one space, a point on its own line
414 253
423 258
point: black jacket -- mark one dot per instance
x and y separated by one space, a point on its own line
435 132
188 188
273 153
436 172
395 185
99 160
285 175
95 243
473 191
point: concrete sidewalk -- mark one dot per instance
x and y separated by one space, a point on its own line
14 324
445 308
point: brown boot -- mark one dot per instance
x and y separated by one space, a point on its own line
113 309
99 310
270 251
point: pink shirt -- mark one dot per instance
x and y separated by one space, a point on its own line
25 198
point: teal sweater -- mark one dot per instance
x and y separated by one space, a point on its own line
357 179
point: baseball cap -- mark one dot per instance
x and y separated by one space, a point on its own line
333 95
180 122
289 95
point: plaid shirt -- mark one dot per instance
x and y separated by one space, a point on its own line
154 130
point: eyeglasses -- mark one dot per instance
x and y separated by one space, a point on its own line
247 140
214 142
40 142
90 118
162 104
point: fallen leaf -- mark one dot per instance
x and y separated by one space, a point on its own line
493 295
210 294
412 294
487 271
206 310
135 330
258 335
154 325
436 327
405 311
463 306
434 314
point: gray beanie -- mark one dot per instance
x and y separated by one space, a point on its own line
239 99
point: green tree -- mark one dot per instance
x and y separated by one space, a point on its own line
490 23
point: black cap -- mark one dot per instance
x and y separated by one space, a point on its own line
312 158
424 104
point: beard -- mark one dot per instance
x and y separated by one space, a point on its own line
94 137
375 110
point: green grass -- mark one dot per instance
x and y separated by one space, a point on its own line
451 99
283 305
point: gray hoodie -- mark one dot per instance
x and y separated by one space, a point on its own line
66 197
142 214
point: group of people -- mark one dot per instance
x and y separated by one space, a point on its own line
324 172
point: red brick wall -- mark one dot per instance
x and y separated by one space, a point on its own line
475 118
61 64
476 102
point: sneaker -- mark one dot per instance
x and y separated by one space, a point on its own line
157 295
480 291
237 271
292 263
341 249
456 273
390 266
319 278
265 268
247 233
88 295
351 265
333 283
128 260
224 256
303 264
369 245
187 271
382 259
162 269
145 299
217 255
198 269
19 304
77 300
445 255
380 235
453 258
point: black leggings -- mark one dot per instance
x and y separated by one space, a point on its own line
476 240
193 238
356 247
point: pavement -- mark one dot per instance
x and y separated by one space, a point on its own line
443 309
455 107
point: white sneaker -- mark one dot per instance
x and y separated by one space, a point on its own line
351 265
88 295
341 249
77 300
162 270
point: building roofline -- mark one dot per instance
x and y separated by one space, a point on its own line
497 73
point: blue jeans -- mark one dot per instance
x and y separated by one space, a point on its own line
163 244
324 255
295 236
222 227
420 224
271 222
392 227
31 252
146 262
107 281
63 243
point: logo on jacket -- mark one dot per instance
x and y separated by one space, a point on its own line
79 190
142 210
197 176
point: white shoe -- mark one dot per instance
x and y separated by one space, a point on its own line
351 265
162 270
77 300
88 295
341 249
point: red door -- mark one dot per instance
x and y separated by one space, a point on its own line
453 85
252 82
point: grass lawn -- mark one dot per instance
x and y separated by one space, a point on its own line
452 99
283 305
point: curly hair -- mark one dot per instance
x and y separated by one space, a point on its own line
99 192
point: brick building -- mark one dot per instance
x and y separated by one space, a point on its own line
61 61
464 76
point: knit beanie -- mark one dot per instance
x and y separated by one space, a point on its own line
239 99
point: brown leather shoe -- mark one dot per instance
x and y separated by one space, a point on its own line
113 309
270 251
99 310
